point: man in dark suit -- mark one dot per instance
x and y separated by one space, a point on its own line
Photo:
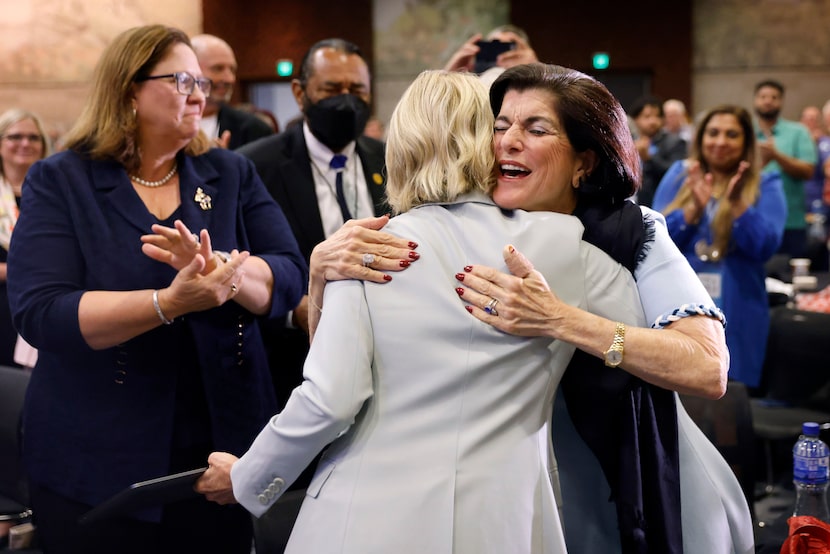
658 149
305 171
228 127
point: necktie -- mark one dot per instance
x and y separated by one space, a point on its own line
338 162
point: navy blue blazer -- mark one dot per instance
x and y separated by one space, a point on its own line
244 127
96 421
283 163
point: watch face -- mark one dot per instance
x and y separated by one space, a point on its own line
613 357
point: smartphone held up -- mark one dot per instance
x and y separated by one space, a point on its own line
488 51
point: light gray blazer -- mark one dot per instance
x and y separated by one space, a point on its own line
440 422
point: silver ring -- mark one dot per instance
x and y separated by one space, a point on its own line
234 288
368 259
490 308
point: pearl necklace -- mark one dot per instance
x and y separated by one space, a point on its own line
153 184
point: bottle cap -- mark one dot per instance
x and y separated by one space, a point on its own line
810 428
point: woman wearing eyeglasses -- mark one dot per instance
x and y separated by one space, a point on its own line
22 143
150 356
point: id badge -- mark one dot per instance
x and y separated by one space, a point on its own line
712 281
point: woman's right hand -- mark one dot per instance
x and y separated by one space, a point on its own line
700 186
176 246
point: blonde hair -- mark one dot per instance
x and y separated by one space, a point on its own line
440 141
16 115
107 127
722 221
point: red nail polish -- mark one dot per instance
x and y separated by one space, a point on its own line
405 263
387 277
413 245
459 276
468 268
459 291
469 308
414 255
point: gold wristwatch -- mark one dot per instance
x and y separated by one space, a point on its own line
614 355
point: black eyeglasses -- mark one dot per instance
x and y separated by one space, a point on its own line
185 82
18 137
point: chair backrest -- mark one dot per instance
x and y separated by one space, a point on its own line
795 368
13 383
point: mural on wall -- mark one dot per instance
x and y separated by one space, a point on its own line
760 34
59 41
414 35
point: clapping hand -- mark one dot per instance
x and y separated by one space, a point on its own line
176 246
767 149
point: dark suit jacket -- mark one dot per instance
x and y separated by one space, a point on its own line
244 127
284 165
670 148
99 420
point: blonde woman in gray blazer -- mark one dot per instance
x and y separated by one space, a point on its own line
437 424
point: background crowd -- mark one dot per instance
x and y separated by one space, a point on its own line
171 221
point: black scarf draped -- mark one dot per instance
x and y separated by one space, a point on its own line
629 425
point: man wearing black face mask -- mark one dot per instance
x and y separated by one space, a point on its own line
322 173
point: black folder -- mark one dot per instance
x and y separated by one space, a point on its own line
146 494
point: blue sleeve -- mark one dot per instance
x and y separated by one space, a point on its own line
46 267
663 264
681 232
757 232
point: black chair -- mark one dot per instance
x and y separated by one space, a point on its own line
14 494
727 422
796 380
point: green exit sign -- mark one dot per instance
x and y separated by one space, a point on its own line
601 60
285 68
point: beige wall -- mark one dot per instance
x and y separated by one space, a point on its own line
49 48
738 43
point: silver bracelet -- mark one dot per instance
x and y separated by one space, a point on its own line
158 309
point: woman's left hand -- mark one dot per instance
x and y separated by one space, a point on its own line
215 483
176 246
525 305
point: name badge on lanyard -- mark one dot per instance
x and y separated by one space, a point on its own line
712 281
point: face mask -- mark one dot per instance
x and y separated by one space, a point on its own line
337 120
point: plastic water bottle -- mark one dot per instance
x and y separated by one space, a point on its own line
811 470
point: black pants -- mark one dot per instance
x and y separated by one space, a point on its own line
196 526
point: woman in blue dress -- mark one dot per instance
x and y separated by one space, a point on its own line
728 218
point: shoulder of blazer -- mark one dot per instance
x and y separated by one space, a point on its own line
276 148
371 146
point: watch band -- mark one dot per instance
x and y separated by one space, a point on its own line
614 354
